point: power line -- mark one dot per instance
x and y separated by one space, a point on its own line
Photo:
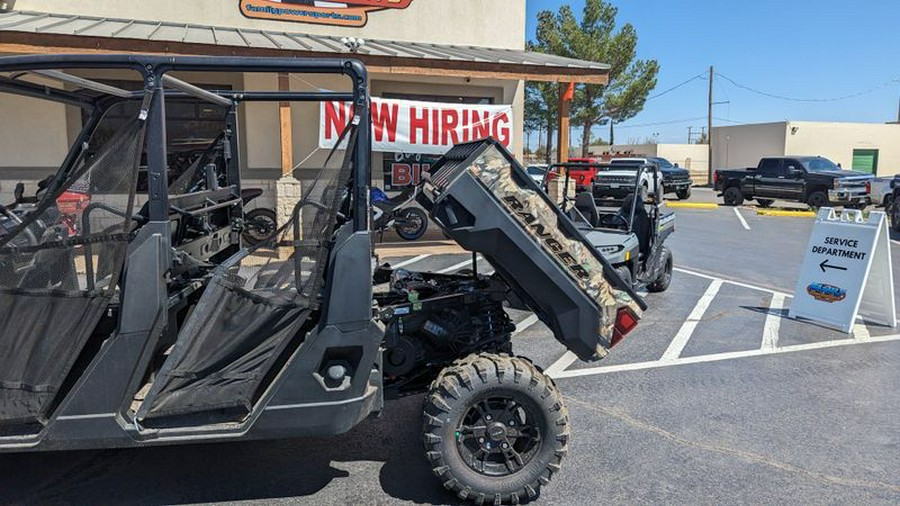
795 99
670 122
673 88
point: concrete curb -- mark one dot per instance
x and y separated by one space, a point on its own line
790 214
692 205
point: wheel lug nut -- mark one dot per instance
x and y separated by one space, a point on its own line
488 417
505 445
512 422
481 440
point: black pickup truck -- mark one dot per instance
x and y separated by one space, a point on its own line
814 180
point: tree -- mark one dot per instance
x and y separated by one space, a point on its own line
540 111
595 38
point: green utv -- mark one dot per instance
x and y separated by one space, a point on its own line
130 315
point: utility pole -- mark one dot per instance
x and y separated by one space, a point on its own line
709 120
690 134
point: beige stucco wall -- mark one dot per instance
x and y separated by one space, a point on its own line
836 141
486 23
743 145
33 133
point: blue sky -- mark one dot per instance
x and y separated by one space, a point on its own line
793 48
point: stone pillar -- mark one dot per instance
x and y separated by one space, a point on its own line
288 191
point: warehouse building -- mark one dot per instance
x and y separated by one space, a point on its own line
456 70
867 147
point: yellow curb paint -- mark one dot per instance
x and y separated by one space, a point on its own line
789 214
693 205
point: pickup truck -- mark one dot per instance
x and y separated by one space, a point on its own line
814 180
675 179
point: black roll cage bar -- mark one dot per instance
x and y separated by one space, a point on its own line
586 165
154 69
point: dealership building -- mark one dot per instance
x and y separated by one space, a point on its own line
451 70
867 147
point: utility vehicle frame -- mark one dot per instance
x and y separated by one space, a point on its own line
132 320
631 237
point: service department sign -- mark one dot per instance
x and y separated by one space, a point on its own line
353 13
846 271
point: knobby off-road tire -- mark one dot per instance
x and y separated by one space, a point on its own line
733 196
496 429
665 277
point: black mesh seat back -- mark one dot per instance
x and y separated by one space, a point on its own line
256 304
59 269
641 224
585 204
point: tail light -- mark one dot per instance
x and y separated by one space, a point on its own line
626 321
868 187
715 177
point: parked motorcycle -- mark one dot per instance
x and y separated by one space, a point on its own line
260 223
410 222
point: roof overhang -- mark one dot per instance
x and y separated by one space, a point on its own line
45 33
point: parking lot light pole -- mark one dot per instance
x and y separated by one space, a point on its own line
709 121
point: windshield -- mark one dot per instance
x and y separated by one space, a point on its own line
819 164
534 170
663 163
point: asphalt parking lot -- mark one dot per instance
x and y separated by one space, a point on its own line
716 398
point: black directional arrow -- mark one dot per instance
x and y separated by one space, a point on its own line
824 265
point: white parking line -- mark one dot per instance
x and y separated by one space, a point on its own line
687 329
860 331
456 267
741 217
524 324
720 356
732 282
773 322
562 364
409 262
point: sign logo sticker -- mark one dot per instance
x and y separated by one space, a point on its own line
353 13
826 293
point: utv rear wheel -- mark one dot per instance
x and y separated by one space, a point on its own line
733 196
496 429
817 199
765 202
665 277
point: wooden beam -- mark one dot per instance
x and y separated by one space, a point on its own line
37 43
287 131
562 126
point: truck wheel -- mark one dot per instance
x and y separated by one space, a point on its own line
496 429
733 196
895 215
765 202
817 199
665 277
683 194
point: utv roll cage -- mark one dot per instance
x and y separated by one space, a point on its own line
79 352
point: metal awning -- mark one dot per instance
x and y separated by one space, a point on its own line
31 32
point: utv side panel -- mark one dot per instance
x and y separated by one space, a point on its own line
531 244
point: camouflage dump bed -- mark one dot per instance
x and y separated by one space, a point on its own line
486 201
